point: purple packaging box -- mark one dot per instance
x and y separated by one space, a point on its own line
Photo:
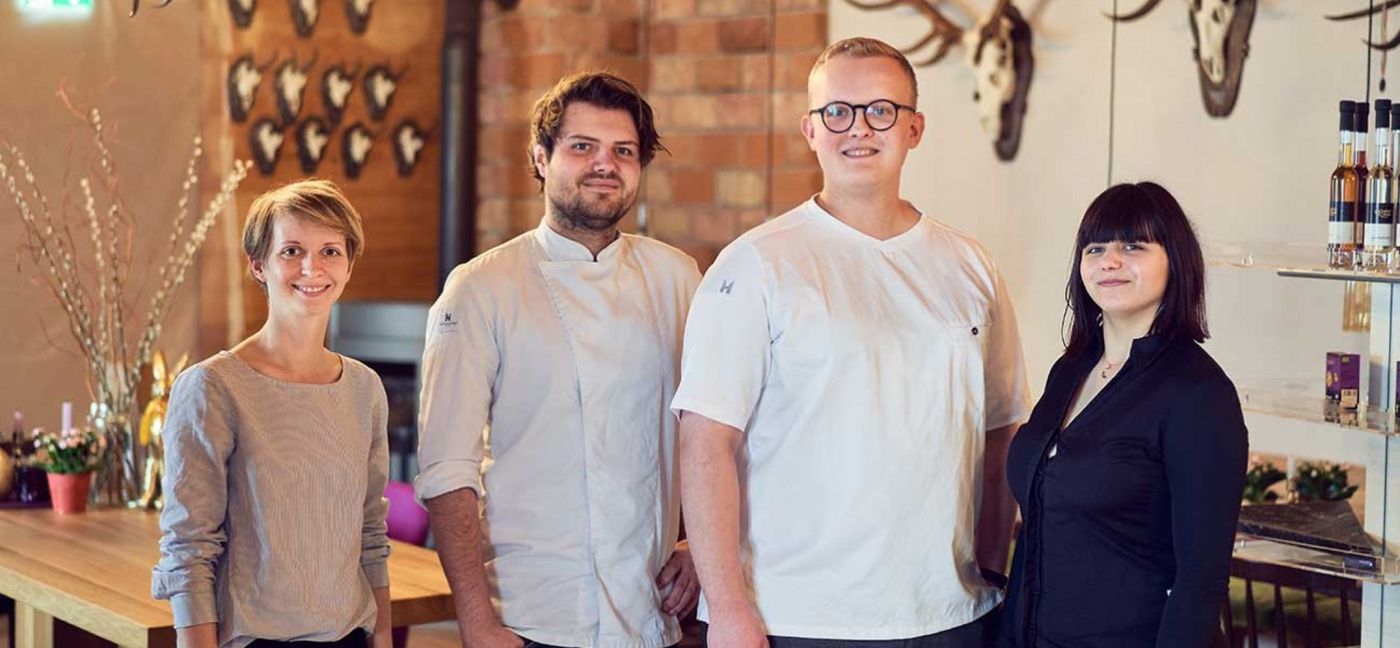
1344 378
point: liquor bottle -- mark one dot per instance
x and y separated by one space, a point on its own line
17 441
1394 193
1358 144
1380 211
1341 241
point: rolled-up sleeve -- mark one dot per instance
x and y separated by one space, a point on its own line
198 438
374 540
460 359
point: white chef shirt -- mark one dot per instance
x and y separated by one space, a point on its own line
864 374
546 379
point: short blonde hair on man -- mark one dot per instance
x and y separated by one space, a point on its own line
315 201
862 47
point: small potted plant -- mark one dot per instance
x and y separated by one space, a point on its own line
1322 481
69 458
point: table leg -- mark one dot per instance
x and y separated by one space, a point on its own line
33 627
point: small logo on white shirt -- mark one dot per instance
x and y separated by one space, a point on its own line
726 287
447 324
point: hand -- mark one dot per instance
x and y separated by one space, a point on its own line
382 639
679 574
494 635
737 629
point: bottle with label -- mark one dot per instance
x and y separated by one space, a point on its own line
1358 161
1341 239
1379 250
1358 144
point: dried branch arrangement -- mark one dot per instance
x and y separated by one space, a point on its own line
91 282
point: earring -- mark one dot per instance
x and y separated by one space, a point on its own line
1099 319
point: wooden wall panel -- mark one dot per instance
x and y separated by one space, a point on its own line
400 213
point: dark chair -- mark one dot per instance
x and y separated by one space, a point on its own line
407 522
1278 577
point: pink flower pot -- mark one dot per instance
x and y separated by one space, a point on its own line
69 492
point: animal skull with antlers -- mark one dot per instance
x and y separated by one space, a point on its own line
997 50
291 86
244 77
336 85
1220 29
355 145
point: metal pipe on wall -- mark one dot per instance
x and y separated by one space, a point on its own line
460 48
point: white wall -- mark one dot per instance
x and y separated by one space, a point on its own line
143 73
1256 178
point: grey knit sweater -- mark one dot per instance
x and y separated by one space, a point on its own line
273 523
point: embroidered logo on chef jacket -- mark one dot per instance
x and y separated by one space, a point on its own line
726 287
448 323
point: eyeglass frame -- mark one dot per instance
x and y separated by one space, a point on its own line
861 108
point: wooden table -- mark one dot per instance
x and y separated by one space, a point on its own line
93 570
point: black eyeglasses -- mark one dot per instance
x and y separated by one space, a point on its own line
880 115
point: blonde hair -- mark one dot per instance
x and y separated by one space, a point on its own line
862 47
315 201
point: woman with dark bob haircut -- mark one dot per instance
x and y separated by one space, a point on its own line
1130 469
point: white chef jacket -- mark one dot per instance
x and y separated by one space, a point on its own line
546 379
864 374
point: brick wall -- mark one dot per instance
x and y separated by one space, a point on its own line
727 79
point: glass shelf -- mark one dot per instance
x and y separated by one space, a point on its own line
1289 260
1319 410
1384 569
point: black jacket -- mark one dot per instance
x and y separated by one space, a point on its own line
1127 531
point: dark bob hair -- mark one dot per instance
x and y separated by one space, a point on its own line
1143 213
601 89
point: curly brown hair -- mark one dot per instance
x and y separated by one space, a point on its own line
601 89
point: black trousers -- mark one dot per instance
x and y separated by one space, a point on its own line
356 639
536 644
981 633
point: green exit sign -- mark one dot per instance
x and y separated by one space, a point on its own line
39 6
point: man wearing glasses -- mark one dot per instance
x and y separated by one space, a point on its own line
852 375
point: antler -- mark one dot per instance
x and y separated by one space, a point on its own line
1145 9
944 31
993 21
1363 13
1389 4
136 6
315 56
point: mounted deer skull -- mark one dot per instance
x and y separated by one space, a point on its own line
1220 29
265 141
242 12
291 87
409 141
312 138
997 50
355 145
380 86
336 86
357 13
305 13
244 77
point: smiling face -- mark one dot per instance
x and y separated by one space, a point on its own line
1126 280
861 156
591 178
306 268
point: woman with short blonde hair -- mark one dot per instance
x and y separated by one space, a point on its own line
277 455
